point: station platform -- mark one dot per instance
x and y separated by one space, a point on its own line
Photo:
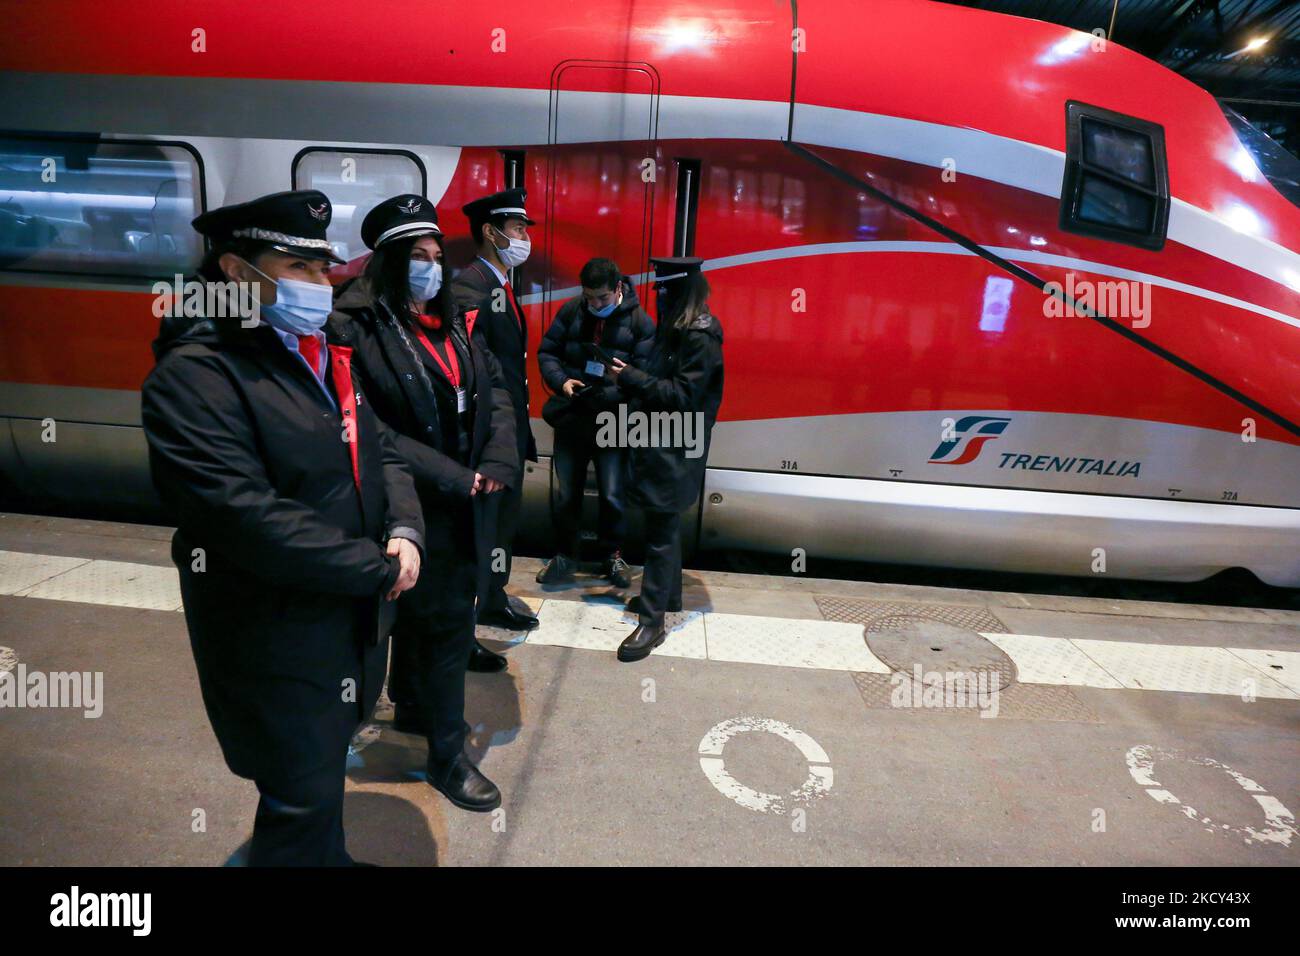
785 721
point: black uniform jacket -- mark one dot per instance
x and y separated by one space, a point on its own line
684 374
505 333
401 396
627 333
281 556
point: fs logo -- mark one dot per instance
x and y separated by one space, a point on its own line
973 432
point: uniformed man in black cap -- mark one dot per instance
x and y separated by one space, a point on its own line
298 523
683 376
499 226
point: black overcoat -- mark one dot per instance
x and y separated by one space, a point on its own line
505 332
386 366
279 542
684 375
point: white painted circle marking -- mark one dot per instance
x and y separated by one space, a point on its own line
1280 821
820 775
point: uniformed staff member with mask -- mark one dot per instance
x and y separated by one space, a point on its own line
499 227
455 426
297 522
683 376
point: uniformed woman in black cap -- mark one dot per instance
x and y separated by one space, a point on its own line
297 521
455 426
683 376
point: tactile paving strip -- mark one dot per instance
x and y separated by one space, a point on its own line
116 583
880 615
832 645
1016 702
602 627
19 570
1195 670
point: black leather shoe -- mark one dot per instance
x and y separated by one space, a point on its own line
641 642
508 618
634 605
407 720
616 570
558 570
519 606
483 661
462 783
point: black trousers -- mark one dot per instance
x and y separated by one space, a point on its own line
574 449
299 822
431 644
506 509
661 581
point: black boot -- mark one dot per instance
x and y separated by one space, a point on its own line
483 661
641 642
461 782
634 605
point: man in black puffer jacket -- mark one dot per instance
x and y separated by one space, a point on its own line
609 315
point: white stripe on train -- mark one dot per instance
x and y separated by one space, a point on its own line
952 249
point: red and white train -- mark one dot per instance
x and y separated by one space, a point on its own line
880 191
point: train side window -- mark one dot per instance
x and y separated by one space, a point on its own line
94 206
356 180
1116 183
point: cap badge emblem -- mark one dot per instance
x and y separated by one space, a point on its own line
319 213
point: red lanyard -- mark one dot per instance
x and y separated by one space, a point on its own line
453 371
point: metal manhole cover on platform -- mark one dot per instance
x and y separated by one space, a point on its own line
957 653
866 613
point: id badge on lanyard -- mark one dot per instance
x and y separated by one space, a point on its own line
450 369
595 368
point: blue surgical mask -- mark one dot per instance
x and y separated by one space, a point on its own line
605 312
425 280
300 308
516 253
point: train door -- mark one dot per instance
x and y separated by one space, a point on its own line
601 173
601 170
